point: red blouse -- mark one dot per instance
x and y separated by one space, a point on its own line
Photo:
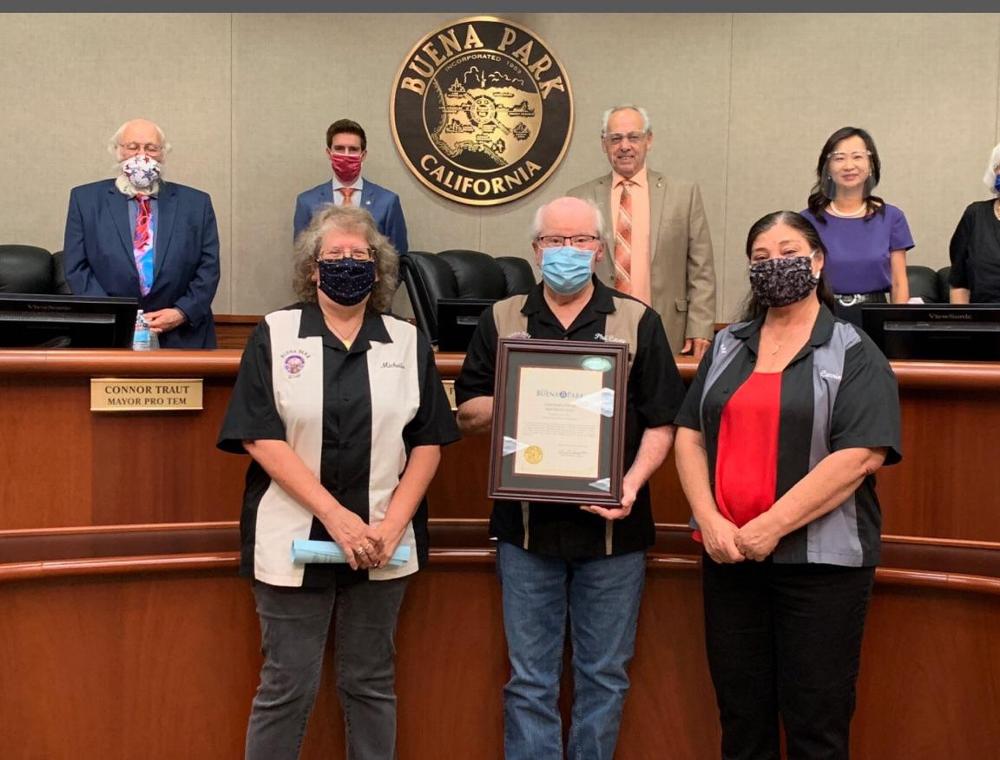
746 464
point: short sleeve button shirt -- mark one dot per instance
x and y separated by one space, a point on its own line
655 392
839 364
357 415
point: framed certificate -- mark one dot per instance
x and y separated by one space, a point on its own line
559 421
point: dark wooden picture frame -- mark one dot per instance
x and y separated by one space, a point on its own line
516 354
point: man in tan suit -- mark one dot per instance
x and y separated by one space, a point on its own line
662 250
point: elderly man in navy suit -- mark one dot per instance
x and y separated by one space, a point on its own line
347 148
139 236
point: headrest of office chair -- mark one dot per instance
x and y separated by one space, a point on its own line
457 273
944 274
924 284
517 272
476 274
59 284
25 269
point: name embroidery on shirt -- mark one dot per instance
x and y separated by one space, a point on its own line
608 338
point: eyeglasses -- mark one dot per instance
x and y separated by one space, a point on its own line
633 137
337 254
134 147
856 158
577 241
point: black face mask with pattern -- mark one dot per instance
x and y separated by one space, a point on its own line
780 282
346 281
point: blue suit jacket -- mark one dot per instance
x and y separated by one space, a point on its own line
382 204
97 252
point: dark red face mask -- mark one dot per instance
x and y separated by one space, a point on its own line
346 167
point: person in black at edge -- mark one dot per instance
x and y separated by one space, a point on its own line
975 245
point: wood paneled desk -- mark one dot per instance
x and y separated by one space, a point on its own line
125 633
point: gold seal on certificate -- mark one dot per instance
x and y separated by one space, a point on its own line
533 454
558 421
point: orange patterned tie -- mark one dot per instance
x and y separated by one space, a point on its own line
347 192
623 240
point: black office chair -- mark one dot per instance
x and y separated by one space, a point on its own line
59 284
459 274
925 284
943 274
25 269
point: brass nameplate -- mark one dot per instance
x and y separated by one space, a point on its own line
449 391
145 394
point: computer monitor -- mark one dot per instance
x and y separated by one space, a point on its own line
31 320
457 320
956 332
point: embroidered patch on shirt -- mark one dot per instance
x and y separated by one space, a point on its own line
294 362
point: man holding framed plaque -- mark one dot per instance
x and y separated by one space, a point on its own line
557 557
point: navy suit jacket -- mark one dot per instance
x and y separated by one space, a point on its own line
382 204
97 252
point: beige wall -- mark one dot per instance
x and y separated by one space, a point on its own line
740 103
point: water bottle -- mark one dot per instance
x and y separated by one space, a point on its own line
143 339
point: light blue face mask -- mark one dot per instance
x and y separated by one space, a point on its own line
566 269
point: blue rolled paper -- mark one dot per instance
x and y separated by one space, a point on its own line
305 550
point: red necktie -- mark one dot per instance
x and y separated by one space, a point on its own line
347 192
141 238
623 241
142 245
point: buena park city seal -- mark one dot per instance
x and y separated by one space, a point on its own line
481 111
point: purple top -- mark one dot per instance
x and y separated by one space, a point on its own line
859 249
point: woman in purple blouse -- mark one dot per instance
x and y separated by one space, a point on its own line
867 238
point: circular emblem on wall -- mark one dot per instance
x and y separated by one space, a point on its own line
481 111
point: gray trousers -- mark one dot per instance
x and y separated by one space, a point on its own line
294 625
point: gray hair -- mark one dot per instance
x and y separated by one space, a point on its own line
625 107
117 136
536 222
345 219
991 171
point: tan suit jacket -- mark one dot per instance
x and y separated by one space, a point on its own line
682 271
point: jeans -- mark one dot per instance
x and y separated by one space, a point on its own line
785 639
294 625
601 597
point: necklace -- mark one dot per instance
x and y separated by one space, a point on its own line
848 214
348 336
776 349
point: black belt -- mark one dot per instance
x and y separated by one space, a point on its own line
854 299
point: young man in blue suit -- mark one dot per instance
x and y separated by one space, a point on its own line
347 148
139 236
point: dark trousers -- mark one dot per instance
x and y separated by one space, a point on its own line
294 625
785 640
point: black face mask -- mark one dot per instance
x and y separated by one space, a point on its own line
346 281
779 282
